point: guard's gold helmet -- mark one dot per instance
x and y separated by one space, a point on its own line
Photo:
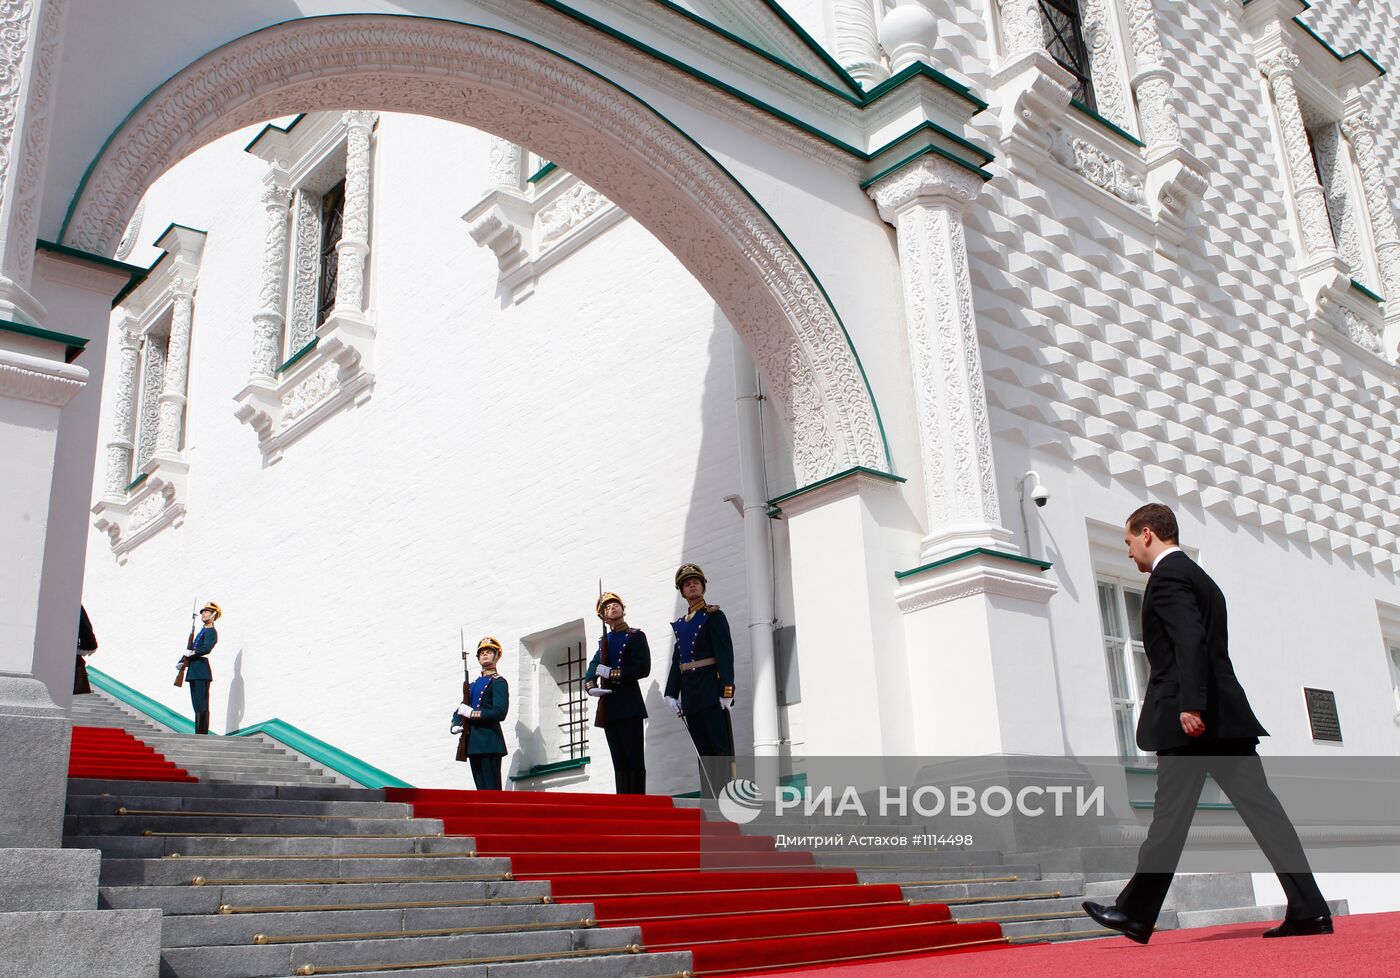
211 606
603 599
490 643
690 570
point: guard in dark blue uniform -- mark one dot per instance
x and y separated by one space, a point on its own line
700 687
477 721
196 663
613 677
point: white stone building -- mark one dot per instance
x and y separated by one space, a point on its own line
1138 251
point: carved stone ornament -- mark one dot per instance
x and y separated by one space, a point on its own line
490 81
40 381
531 231
157 503
925 201
1360 131
1096 166
1279 67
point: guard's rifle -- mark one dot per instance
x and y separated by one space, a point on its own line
600 718
189 646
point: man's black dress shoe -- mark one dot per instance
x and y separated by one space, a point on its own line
1302 928
1115 919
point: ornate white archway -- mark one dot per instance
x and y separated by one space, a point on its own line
587 124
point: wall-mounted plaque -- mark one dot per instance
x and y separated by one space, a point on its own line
1322 714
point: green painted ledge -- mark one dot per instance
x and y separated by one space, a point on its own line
324 754
157 711
976 551
798 781
72 345
542 172
540 770
299 354
1357 286
777 501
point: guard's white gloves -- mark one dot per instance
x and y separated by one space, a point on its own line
464 710
598 691
675 704
456 729
605 671
726 704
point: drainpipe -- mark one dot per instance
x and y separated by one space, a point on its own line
758 551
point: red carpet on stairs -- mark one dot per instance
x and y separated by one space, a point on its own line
113 754
737 903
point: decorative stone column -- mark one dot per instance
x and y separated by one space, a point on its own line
1175 177
1323 274
354 238
271 315
30 39
857 48
177 370
1359 127
121 449
925 202
1022 27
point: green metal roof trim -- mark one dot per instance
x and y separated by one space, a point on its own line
857 470
324 754
1108 124
926 70
976 551
545 170
273 127
72 345
1366 292
299 354
935 150
1327 47
555 767
139 701
136 274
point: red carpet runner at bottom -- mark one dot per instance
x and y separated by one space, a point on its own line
735 902
111 754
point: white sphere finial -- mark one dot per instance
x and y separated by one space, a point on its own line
907 34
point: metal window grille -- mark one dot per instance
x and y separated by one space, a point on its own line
574 706
1064 24
1120 611
332 224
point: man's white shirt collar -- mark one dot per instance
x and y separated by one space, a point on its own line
1164 553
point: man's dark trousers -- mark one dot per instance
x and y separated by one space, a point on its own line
1236 767
713 737
625 744
486 771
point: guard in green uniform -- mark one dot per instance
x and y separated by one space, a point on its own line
700 687
477 720
622 659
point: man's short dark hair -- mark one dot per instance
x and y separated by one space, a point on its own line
1160 519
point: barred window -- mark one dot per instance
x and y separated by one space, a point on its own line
1064 35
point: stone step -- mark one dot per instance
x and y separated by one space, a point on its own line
205 930
233 869
970 894
145 804
119 789
244 825
914 876
903 858
266 961
668 964
254 898
1079 927
158 847
1245 915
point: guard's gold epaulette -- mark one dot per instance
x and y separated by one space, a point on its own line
711 608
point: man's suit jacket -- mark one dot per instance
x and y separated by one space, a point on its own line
1184 630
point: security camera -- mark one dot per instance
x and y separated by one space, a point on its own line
1039 493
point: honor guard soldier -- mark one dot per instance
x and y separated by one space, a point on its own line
478 720
700 687
623 658
195 665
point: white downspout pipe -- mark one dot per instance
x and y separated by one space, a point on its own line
767 736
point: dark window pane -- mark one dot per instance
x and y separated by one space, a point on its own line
1064 39
332 222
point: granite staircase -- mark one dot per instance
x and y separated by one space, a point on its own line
209 758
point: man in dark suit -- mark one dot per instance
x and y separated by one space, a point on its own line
1197 718
623 658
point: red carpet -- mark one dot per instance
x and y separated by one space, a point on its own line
1364 946
738 904
110 753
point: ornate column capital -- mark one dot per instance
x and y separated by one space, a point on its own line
1359 124
1279 64
931 181
359 119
